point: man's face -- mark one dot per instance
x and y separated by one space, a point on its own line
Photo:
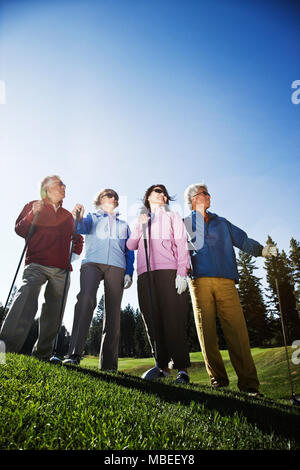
201 199
56 191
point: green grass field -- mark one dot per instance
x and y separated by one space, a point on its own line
49 407
270 362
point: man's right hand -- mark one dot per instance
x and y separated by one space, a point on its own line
78 208
37 206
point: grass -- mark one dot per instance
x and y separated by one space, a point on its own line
270 362
81 408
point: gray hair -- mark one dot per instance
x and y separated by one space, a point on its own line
191 191
45 183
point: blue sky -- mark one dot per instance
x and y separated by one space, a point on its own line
129 93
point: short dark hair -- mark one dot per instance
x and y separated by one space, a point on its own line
149 191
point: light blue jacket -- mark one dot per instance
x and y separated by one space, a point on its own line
211 246
105 240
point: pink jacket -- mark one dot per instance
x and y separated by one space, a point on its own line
168 243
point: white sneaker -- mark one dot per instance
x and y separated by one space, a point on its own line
73 359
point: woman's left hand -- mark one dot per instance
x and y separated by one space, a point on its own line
127 281
180 284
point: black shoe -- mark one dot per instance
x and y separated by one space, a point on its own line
72 359
182 378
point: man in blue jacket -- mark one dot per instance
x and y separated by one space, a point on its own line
106 258
213 291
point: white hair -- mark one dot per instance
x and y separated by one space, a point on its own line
45 183
191 191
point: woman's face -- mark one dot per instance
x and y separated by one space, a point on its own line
109 201
157 196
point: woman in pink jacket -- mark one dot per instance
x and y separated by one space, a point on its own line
168 265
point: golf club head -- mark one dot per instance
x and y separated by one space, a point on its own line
152 374
55 360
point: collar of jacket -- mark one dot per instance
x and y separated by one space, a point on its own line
106 214
164 207
194 212
50 204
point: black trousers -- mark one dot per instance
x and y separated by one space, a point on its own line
170 317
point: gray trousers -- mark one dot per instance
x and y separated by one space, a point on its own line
20 317
91 274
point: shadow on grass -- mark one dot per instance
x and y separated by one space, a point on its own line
269 415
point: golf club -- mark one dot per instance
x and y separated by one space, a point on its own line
154 372
55 359
295 399
29 235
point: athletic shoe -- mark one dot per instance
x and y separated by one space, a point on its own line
73 359
219 384
152 374
182 378
253 392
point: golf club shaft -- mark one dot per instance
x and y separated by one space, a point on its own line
283 325
29 235
66 282
284 336
150 291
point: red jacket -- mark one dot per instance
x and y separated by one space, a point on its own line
50 242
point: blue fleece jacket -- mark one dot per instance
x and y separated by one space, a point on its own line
105 240
211 246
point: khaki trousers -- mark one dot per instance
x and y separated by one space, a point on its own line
23 310
91 274
218 296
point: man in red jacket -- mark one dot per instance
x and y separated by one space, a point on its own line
46 261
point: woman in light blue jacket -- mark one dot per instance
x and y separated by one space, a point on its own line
106 258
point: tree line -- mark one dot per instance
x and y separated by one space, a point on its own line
260 307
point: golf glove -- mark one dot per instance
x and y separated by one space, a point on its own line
127 281
269 251
180 284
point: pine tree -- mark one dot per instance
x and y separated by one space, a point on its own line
127 327
295 268
95 332
252 301
280 268
141 343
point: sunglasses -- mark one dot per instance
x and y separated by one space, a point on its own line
202 192
59 183
159 191
110 195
